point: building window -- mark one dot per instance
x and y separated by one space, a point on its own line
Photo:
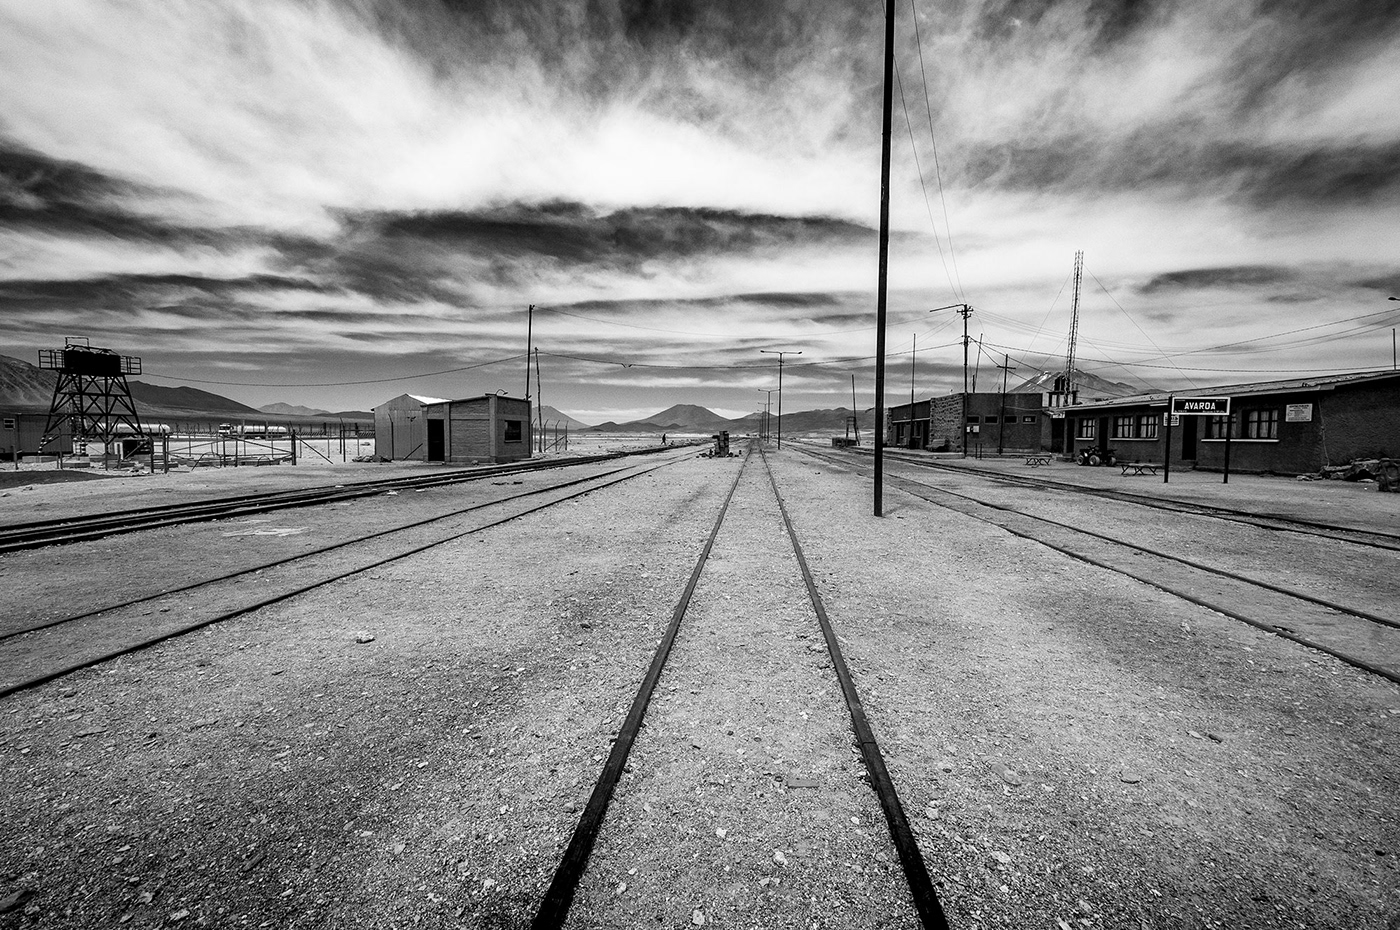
1029 419
990 419
1216 427
974 419
1122 427
1086 429
1146 426
1261 424
514 431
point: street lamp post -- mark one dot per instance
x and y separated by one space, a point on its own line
780 355
767 405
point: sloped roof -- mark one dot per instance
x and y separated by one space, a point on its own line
1288 386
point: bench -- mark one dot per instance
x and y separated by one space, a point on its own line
1140 468
1035 461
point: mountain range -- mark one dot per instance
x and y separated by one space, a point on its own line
26 388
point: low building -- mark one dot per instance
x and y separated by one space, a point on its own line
1283 427
490 428
400 427
21 433
986 422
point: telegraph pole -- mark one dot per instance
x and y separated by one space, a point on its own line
964 310
767 406
1001 417
780 355
529 336
881 298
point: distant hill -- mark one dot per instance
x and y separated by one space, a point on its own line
184 400
552 416
688 418
24 386
1090 387
293 410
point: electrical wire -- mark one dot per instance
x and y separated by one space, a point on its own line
425 374
937 168
928 205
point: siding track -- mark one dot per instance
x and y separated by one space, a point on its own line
17 672
1372 645
20 536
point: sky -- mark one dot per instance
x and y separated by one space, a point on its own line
333 203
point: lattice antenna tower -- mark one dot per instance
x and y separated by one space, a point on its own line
92 397
1073 325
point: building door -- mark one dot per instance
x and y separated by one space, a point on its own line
435 441
1188 438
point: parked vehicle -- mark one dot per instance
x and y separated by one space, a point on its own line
1098 455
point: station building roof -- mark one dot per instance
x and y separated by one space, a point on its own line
1288 386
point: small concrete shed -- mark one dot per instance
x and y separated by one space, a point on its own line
400 428
490 428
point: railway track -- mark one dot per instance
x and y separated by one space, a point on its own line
553 910
1332 627
17 537
44 652
1375 539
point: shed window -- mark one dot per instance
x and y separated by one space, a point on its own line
1028 419
974 419
1261 424
514 432
991 419
1086 429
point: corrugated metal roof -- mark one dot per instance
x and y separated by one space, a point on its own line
1289 386
424 399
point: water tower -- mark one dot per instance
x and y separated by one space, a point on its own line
92 397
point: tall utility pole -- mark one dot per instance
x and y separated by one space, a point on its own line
539 393
1073 323
964 310
913 362
855 410
881 296
529 336
1001 417
780 355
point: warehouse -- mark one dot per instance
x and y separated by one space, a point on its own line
994 422
400 427
1283 427
490 428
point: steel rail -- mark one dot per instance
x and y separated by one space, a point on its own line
18 537
1380 539
47 677
554 908
302 555
1275 629
925 897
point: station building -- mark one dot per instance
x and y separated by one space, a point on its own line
401 427
490 428
1284 427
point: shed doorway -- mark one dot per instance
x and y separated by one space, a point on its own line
436 446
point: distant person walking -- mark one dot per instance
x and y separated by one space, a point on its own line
663 439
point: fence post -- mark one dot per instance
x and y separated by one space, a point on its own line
294 447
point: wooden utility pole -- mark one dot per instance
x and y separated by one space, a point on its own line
529 337
1001 417
539 396
881 297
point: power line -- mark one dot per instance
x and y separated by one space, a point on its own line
908 124
425 374
937 168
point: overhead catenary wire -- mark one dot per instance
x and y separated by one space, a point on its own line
937 167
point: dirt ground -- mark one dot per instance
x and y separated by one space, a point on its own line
1077 750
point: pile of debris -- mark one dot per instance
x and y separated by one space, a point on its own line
1385 472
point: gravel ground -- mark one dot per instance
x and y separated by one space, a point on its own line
1076 749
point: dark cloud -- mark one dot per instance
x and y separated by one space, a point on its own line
1233 276
1386 283
130 288
574 233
